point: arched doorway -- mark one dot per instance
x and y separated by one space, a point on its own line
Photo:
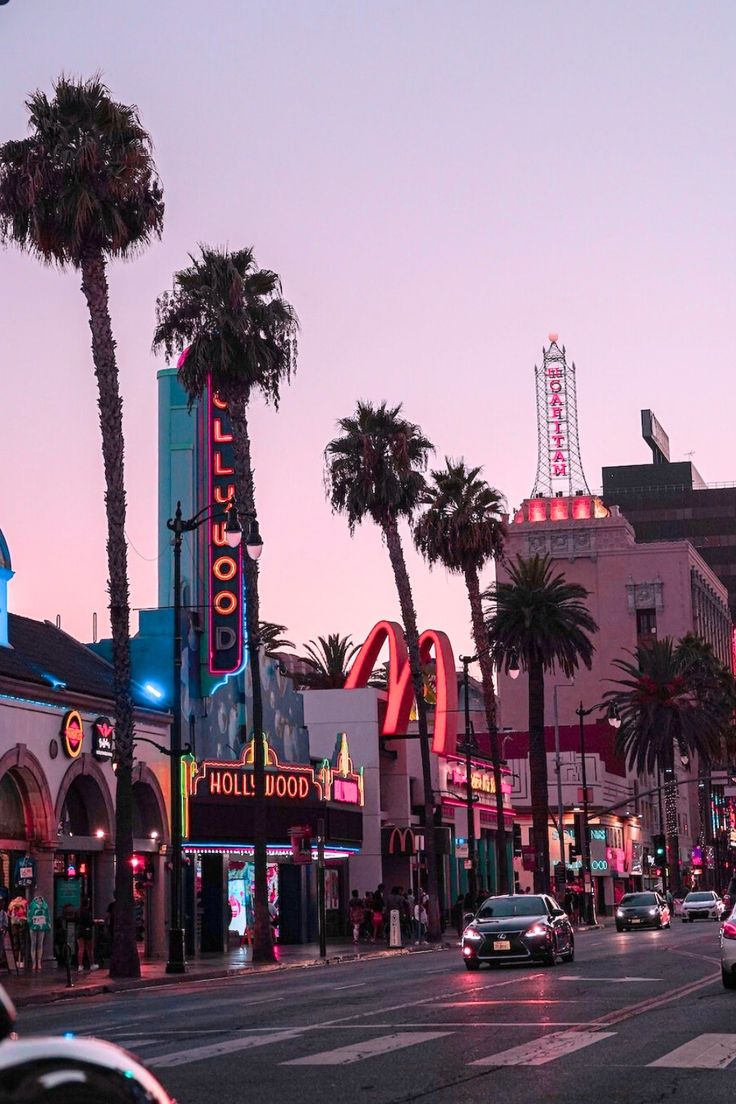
150 831
83 861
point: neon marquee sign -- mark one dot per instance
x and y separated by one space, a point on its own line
225 564
557 420
400 689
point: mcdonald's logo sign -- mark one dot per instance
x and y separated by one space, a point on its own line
401 841
432 645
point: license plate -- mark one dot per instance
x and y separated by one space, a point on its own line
501 945
635 921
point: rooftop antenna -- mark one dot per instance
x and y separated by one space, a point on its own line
94 627
58 620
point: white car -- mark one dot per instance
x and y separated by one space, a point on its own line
703 904
728 952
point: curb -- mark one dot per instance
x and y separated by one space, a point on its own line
136 984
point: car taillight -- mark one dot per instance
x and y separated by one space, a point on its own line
729 930
467 951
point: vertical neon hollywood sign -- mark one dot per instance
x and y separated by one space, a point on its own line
225 563
557 421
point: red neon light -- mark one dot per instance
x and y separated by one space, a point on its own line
225 568
537 509
559 509
400 690
581 508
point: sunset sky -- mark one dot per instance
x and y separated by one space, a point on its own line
440 185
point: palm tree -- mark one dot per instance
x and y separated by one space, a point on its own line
80 190
374 469
462 530
328 660
673 701
271 639
241 333
542 619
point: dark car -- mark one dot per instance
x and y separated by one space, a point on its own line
642 910
518 928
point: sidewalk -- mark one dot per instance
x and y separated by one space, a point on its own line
50 986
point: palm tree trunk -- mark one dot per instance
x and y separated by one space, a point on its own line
409 617
480 636
237 402
124 961
670 820
538 778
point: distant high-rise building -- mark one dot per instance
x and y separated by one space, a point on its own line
668 500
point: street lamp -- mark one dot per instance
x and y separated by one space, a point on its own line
469 745
233 534
514 670
614 721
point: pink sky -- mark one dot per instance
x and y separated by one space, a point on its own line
439 185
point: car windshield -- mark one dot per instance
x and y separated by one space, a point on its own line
699 897
638 899
502 907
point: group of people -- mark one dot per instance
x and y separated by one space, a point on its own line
370 916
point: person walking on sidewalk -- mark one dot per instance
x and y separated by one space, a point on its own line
356 913
420 919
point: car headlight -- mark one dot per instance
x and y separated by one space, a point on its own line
537 930
653 912
619 912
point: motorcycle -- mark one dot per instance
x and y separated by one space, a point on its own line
69 1069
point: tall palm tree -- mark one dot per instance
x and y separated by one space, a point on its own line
328 659
673 702
462 529
374 469
241 333
80 190
541 618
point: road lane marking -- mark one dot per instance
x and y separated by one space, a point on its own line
479 1003
703 1052
370 1048
214 1050
614 980
548 1049
356 985
652 1003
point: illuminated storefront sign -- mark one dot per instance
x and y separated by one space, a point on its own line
225 571
72 734
481 781
400 690
102 737
283 782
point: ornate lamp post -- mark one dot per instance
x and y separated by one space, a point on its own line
179 525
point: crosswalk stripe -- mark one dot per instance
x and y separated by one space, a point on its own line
344 1056
227 1046
702 1052
540 1051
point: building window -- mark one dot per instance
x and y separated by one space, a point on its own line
646 625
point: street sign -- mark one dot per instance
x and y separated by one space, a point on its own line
461 850
468 864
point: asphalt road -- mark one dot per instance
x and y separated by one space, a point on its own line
638 1017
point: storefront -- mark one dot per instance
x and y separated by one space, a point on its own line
219 852
454 789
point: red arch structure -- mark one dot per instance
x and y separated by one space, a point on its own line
432 643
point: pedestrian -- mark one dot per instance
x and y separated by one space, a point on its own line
420 919
367 925
469 903
480 899
356 912
458 915
85 930
379 906
670 901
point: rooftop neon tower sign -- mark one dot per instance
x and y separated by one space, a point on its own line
559 467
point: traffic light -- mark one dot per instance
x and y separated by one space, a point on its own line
517 839
660 849
578 824
573 853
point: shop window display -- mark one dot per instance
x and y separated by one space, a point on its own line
240 878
